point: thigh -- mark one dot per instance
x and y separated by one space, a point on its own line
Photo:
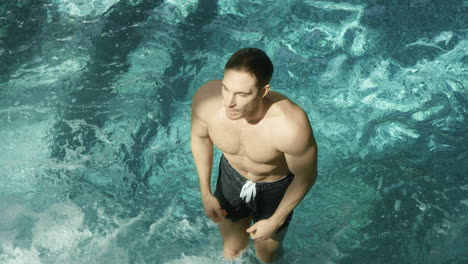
271 246
234 234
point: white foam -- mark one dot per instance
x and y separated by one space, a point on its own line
192 260
59 229
47 73
426 114
16 255
84 8
175 11
24 151
328 5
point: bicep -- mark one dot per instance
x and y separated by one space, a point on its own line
300 150
304 163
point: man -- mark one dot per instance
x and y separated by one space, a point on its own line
269 159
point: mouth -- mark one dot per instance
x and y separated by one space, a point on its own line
231 111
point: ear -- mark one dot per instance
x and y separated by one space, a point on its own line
264 91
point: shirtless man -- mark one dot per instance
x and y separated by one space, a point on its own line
269 159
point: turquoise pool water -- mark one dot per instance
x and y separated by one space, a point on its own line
95 96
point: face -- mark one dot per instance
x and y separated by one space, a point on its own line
240 93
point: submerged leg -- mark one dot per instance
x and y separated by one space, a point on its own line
270 250
235 238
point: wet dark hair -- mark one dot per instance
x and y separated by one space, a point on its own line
254 61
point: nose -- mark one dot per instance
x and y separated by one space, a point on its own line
231 100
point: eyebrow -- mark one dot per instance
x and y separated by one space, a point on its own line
249 92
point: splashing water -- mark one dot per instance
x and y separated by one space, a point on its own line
95 121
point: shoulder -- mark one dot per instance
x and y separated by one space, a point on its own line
287 112
207 91
205 98
294 131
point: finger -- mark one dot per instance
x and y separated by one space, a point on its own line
251 229
254 236
215 217
257 237
221 213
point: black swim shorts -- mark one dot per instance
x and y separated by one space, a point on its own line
266 198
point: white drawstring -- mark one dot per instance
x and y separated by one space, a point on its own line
248 191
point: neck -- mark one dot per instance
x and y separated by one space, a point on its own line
258 114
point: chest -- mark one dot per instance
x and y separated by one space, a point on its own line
253 142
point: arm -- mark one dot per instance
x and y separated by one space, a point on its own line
300 151
303 164
202 151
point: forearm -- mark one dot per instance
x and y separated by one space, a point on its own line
202 151
294 194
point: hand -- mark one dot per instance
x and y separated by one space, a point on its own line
212 208
263 229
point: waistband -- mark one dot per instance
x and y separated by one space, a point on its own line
260 186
